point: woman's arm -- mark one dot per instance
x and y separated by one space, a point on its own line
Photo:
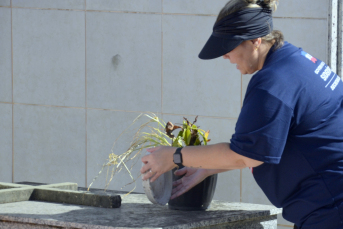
218 157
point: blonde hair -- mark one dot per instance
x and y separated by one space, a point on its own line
275 37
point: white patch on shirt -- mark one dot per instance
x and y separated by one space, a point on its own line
334 85
327 72
320 67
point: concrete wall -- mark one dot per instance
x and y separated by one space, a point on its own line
75 73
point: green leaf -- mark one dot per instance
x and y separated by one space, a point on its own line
176 142
197 141
184 124
203 137
180 141
206 134
187 136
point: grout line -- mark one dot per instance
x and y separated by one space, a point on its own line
162 13
241 185
43 105
38 8
158 13
283 225
105 109
12 96
215 117
241 171
86 127
311 18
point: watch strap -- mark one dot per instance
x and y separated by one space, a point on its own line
178 152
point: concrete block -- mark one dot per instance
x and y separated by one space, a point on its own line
57 193
76 197
15 195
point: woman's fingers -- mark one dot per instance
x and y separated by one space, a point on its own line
179 191
177 188
159 160
177 182
145 168
149 175
181 172
191 178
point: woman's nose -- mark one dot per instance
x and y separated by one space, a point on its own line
226 56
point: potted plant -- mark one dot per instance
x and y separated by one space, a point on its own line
154 133
200 196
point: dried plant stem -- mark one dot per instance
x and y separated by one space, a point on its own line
141 140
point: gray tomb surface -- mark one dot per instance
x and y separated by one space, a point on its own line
136 211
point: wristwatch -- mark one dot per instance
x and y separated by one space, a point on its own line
177 157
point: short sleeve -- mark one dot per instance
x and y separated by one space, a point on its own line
262 127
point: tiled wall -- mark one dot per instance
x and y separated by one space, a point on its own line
75 73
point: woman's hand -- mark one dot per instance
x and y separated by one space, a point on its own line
159 161
192 177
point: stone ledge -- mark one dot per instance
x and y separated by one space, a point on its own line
136 211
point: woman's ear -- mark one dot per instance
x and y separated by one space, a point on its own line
257 42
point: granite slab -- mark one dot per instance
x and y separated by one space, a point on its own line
136 211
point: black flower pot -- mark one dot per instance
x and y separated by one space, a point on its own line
196 199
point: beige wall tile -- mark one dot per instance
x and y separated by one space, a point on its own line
103 128
282 221
245 82
309 34
6 142
192 86
6 56
193 6
49 144
124 5
251 192
5 2
49 57
124 61
303 8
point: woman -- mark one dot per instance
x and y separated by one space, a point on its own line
290 129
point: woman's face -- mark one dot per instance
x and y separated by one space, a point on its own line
245 56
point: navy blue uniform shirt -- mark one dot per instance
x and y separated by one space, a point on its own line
292 120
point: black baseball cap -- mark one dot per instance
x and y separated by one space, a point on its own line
218 46
230 31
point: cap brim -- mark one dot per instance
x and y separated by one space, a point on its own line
217 46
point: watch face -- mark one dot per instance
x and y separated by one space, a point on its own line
177 158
